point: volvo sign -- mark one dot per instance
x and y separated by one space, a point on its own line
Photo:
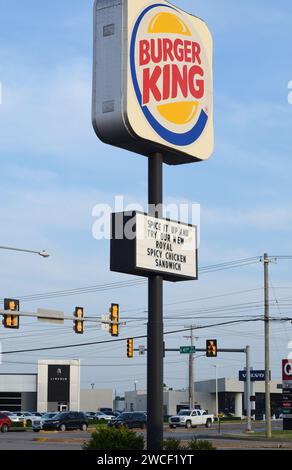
255 375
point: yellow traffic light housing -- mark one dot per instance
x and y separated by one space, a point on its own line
114 319
211 348
79 323
10 320
130 347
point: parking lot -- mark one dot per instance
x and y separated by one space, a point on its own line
73 440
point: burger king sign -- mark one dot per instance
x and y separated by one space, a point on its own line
153 83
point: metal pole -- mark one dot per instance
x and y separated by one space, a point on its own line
247 398
191 375
217 401
155 320
267 347
253 404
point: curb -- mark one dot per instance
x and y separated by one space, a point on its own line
232 437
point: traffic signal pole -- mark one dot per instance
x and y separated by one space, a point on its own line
155 319
191 370
152 420
191 375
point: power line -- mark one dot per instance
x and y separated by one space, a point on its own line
123 284
94 343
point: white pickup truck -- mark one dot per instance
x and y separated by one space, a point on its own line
190 419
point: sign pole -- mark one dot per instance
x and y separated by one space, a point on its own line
155 319
248 389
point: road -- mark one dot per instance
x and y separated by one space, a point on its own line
73 440
227 428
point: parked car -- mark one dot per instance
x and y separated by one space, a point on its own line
99 416
29 418
14 417
66 420
37 414
191 418
90 415
112 414
23 416
130 420
37 425
116 413
104 410
5 422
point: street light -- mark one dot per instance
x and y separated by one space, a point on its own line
43 253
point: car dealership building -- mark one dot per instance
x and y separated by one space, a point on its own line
55 387
231 397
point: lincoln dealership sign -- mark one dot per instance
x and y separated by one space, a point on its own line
58 383
153 79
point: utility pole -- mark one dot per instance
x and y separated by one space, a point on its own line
191 370
266 262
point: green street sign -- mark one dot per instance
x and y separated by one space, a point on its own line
187 350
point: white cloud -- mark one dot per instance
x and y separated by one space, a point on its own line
272 217
48 113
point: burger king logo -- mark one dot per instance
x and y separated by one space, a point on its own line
171 74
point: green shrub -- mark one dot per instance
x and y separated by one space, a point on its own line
18 424
106 438
96 422
171 444
200 445
102 421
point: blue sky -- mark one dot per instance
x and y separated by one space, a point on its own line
54 171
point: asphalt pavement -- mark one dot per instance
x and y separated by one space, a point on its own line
73 440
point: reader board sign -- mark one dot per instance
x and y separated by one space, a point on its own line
144 245
287 391
153 80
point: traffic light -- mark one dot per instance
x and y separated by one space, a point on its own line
78 324
211 348
114 317
130 347
9 320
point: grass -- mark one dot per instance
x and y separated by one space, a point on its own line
275 435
